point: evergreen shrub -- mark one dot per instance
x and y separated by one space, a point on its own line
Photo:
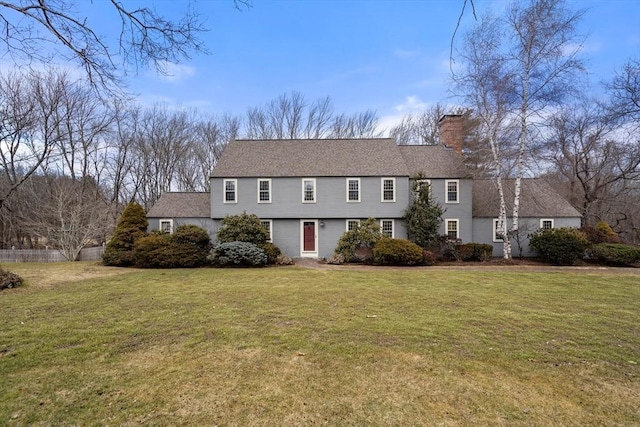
364 235
242 228
237 254
615 253
131 226
559 246
390 251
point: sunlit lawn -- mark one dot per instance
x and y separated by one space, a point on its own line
83 344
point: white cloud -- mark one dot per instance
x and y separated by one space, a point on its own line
173 73
411 104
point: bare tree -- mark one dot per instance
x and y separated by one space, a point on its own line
597 164
624 90
40 31
419 129
516 68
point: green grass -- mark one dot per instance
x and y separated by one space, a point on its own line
88 345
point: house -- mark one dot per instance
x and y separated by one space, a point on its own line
309 192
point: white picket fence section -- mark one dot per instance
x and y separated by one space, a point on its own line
47 255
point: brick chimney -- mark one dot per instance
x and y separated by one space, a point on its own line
451 127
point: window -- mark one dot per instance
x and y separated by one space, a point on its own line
352 223
420 184
388 189
546 224
268 224
453 229
264 191
353 189
386 227
230 190
496 236
166 225
452 191
309 190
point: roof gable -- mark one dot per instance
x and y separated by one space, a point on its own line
181 205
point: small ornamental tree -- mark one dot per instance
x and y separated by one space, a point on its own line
242 228
131 226
423 216
364 235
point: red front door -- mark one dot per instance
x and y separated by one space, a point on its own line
309 236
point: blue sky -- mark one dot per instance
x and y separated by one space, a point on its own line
390 56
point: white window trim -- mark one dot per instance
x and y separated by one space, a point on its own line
346 224
393 227
446 190
495 230
224 190
542 220
162 220
446 226
359 190
382 180
270 221
315 190
258 186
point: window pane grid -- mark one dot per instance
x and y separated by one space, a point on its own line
230 191
452 191
264 191
387 190
354 190
452 229
309 191
387 227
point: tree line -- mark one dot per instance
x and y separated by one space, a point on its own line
72 157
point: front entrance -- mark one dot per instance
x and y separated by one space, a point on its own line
308 238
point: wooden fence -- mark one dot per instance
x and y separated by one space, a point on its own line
47 255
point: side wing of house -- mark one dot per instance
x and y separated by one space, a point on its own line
540 207
174 209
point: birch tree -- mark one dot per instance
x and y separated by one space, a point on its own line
529 60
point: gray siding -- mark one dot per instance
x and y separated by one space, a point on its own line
331 202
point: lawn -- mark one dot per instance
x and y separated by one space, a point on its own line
83 344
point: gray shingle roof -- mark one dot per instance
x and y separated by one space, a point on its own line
434 161
335 157
181 205
538 199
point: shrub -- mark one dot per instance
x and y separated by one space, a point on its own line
9 280
187 247
428 257
237 254
131 226
390 251
282 259
615 253
474 252
601 233
560 246
445 249
363 235
336 259
272 252
242 228
193 235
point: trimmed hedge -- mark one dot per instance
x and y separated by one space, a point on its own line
615 253
272 252
390 251
237 254
187 247
559 246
